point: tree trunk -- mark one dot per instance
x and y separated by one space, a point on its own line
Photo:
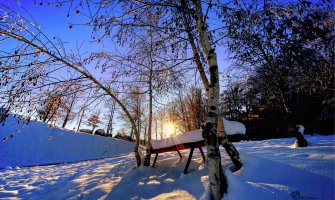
46 115
110 121
156 120
81 118
149 147
162 130
145 135
68 112
217 180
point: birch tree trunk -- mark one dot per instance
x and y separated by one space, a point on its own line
81 118
217 180
149 147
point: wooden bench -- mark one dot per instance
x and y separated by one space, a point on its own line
188 140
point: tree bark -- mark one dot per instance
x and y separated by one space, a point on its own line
217 180
110 121
68 112
149 147
81 118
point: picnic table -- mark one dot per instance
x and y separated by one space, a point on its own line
187 140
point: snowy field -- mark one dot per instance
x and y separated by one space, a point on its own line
36 144
273 169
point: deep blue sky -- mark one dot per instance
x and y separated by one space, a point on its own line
54 22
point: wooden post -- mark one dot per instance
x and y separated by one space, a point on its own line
179 154
189 160
153 164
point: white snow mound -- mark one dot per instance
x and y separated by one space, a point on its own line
233 127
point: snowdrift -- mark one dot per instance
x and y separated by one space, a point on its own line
36 144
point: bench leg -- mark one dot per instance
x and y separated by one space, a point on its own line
202 153
179 154
153 164
188 160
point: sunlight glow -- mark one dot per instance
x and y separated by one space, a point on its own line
169 129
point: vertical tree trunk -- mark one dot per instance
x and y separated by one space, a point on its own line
68 112
81 118
156 120
132 132
110 121
145 135
217 180
162 129
149 147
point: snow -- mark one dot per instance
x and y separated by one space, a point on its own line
36 144
233 127
273 169
188 137
300 128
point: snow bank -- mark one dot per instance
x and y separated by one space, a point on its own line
36 144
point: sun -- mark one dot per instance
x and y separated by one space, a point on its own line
169 129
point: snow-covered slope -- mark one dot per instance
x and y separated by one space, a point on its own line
36 144
272 169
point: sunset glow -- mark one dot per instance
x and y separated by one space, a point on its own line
169 129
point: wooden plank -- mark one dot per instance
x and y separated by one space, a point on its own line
180 147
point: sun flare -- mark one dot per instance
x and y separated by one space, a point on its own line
169 129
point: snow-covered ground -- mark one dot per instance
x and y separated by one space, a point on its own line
36 144
273 169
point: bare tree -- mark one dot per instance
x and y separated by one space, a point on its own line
35 59
110 117
93 121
